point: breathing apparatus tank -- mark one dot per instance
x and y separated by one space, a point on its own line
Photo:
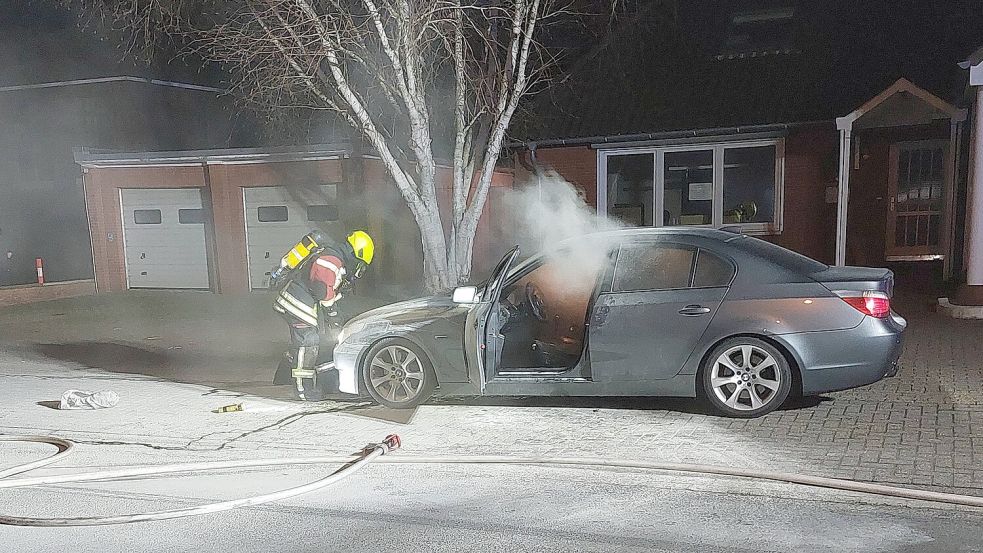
312 243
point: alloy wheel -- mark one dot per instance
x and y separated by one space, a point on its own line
396 374
745 377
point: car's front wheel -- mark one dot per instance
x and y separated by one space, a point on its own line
397 374
746 377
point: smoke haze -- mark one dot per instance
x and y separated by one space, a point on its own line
550 215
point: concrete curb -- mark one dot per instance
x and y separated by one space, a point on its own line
960 311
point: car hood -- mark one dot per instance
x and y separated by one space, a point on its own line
412 311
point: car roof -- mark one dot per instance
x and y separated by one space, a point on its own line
737 245
734 241
714 233
618 235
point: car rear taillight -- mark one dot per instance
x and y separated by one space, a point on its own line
875 304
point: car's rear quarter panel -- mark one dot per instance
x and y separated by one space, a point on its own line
842 359
835 346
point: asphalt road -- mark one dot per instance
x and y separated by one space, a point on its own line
420 508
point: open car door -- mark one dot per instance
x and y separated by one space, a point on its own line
482 340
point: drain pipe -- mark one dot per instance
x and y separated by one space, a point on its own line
536 168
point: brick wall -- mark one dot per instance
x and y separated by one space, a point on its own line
389 218
811 156
14 295
578 165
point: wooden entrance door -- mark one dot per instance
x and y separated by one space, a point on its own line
917 191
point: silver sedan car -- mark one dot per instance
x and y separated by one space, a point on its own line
737 321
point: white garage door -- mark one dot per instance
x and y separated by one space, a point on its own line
277 218
164 238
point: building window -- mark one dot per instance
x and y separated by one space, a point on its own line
272 213
191 216
687 197
146 216
749 185
630 186
324 213
711 185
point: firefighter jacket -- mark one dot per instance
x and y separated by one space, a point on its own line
316 283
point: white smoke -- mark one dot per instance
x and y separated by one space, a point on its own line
553 217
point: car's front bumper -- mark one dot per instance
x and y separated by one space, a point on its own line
346 356
843 359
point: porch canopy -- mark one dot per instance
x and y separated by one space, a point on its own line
902 104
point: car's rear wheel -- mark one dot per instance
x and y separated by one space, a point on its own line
397 374
746 377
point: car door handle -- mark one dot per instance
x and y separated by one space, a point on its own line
693 310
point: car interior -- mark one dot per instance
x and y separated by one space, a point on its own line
544 313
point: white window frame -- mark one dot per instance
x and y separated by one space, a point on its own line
718 148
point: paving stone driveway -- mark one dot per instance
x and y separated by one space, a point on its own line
923 427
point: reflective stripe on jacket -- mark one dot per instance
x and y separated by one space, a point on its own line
294 304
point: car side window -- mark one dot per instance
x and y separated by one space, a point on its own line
653 267
712 271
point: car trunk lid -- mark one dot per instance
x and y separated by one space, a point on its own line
856 279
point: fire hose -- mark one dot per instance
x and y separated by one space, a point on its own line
369 454
375 453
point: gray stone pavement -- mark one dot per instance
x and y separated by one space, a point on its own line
923 428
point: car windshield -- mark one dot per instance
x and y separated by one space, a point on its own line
499 272
583 250
522 267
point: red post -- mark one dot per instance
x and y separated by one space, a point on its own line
40 267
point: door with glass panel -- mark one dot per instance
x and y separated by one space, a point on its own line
917 189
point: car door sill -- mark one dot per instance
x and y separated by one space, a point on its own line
537 377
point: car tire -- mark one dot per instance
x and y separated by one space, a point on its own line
397 374
745 377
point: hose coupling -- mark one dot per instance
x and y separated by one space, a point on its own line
388 444
391 442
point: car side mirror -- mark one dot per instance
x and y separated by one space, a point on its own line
465 294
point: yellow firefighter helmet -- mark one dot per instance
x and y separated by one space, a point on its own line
362 245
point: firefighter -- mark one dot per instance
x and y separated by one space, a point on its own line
311 279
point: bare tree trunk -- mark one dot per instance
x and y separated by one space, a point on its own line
436 272
463 249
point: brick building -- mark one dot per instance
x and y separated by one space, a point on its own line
837 131
781 181
220 219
